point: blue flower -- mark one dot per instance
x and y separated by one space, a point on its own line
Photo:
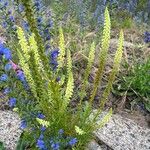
50 24
147 37
21 76
43 128
7 54
61 131
40 116
5 51
3 77
6 90
9 12
12 102
54 53
4 24
47 46
12 19
25 25
39 19
55 146
8 66
6 4
40 143
20 8
23 124
48 37
73 141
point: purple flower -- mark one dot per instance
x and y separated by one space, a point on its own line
73 141
12 102
3 77
55 146
23 124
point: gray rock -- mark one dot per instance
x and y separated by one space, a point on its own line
9 129
124 134
93 145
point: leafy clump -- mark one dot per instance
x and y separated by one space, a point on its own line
136 83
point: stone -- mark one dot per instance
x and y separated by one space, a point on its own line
93 145
9 129
124 134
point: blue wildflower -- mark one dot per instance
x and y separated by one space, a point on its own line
73 141
4 24
147 37
5 51
8 66
23 124
40 116
7 54
48 37
9 12
57 79
55 146
6 4
21 76
43 128
50 24
3 77
54 55
12 102
47 46
61 131
39 19
40 143
21 8
6 90
12 19
25 25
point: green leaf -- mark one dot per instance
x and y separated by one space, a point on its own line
2 146
22 144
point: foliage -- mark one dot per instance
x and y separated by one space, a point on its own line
136 82
2 146
47 84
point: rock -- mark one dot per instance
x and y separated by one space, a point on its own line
9 129
124 134
93 145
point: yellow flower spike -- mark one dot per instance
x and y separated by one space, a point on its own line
43 122
61 55
15 109
79 131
